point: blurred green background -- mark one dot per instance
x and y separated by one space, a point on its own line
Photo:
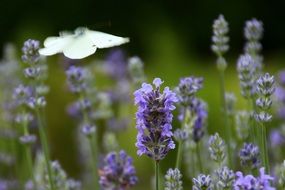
172 38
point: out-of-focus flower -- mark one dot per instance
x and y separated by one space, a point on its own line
217 148
220 39
242 127
30 51
226 178
265 88
246 73
173 180
249 156
76 77
202 182
118 172
261 182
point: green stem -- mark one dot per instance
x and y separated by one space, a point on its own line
94 152
44 143
30 165
264 148
28 154
225 116
199 157
156 175
179 154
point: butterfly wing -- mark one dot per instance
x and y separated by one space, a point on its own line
54 45
80 47
103 40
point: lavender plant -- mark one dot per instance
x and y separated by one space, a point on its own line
265 88
110 107
35 72
77 80
220 47
154 119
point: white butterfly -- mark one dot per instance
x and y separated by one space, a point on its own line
82 43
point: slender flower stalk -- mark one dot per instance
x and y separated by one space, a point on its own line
180 135
220 47
21 95
35 72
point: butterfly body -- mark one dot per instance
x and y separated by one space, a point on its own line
82 43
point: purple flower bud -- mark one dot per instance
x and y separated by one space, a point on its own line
76 79
249 155
30 51
28 139
32 72
21 94
88 130
187 89
39 102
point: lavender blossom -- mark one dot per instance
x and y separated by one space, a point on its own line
30 51
202 182
187 88
181 135
246 73
28 139
76 77
217 148
21 94
88 130
261 182
135 68
154 119
118 172
226 178
250 156
220 39
116 64
265 88
253 32
173 180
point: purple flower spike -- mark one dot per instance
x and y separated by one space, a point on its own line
118 172
154 119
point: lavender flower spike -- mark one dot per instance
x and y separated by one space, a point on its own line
154 119
118 172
